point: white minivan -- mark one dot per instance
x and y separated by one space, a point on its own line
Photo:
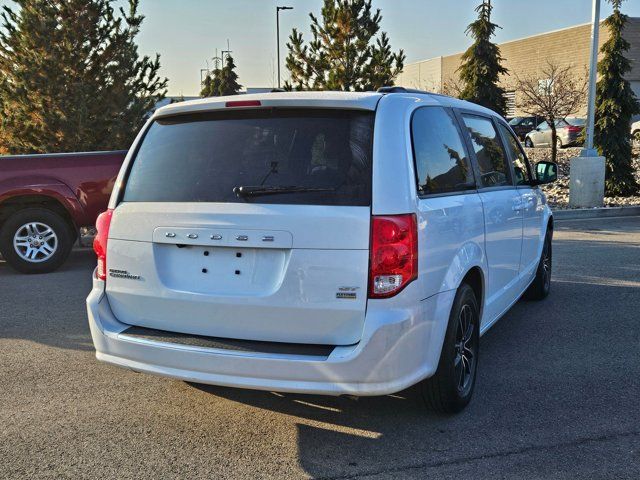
319 242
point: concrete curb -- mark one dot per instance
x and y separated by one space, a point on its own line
571 214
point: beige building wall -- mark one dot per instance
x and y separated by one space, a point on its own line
527 56
632 34
424 75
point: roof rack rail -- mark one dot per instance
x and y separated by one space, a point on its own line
408 90
395 89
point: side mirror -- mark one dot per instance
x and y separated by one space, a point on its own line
546 172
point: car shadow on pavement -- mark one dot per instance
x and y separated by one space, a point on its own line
539 368
48 308
339 436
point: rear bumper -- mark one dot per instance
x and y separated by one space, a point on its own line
399 347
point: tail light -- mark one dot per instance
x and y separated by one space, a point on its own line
100 242
573 129
393 260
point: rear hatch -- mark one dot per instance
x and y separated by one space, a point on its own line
247 223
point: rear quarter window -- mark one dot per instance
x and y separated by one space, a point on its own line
203 157
442 165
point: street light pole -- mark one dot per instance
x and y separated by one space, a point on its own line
587 172
588 150
278 36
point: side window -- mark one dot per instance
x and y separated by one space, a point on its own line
520 164
441 162
491 157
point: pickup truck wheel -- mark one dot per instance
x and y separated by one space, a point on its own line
528 142
35 240
541 285
450 389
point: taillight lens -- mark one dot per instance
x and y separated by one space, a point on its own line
393 255
100 242
243 103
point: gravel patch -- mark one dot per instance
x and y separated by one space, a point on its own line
558 193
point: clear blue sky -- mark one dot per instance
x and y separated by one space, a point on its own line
187 32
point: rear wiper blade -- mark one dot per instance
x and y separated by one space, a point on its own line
255 190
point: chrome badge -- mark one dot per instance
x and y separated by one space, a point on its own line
347 293
122 274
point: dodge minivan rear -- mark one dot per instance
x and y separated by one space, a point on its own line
318 242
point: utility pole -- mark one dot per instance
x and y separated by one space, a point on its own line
217 61
278 36
587 172
202 77
588 150
226 52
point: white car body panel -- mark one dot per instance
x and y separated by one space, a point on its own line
452 230
339 100
285 294
381 345
503 247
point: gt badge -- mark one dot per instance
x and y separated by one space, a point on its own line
347 293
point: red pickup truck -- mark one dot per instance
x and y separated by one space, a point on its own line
46 199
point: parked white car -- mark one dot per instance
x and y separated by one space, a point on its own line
635 133
329 243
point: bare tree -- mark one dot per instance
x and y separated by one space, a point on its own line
452 87
553 94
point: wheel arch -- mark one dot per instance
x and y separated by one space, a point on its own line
475 278
13 204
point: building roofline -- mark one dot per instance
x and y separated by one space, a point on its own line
517 40
550 32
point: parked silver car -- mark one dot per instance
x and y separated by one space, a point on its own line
569 131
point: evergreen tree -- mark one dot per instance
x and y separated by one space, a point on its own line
211 85
345 53
221 81
481 64
229 79
71 77
615 105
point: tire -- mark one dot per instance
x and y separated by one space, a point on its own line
559 143
447 391
635 139
45 244
541 285
528 143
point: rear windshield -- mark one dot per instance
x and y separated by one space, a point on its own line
203 157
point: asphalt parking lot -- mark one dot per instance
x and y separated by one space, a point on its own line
558 394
